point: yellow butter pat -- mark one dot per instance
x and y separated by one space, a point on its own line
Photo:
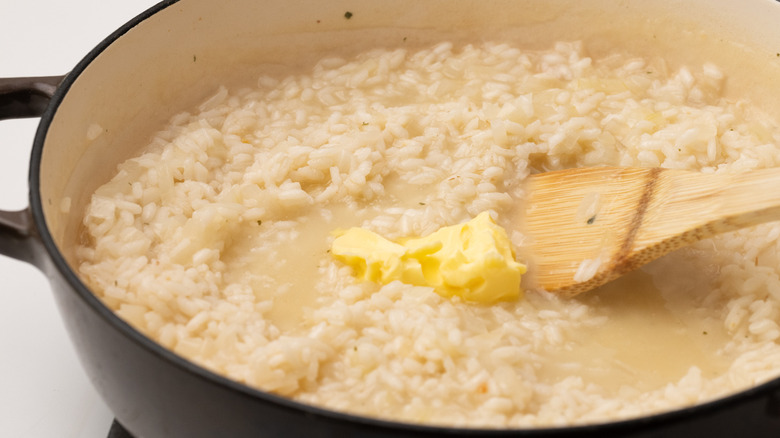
473 260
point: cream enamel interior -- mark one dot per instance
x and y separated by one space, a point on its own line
175 58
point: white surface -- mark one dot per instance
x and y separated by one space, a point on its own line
43 391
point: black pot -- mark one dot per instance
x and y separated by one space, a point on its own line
165 60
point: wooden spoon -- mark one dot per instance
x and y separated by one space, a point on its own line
588 226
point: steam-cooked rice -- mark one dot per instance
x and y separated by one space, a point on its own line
214 241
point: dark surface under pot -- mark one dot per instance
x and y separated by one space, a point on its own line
117 431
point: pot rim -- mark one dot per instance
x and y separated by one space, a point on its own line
85 294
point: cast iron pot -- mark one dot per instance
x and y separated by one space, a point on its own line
175 54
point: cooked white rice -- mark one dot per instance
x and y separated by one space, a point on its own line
214 241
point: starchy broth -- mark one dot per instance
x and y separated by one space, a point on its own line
214 241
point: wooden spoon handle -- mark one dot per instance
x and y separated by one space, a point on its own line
589 226
686 207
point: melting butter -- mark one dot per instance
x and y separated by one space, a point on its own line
473 260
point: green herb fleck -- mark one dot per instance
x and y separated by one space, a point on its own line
422 203
194 58
347 15
365 123
591 220
704 332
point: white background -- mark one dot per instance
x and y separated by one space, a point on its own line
43 391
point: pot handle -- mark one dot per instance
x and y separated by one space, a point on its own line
22 98
19 238
26 97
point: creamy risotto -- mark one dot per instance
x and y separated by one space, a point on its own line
215 240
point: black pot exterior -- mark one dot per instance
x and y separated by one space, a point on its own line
155 393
